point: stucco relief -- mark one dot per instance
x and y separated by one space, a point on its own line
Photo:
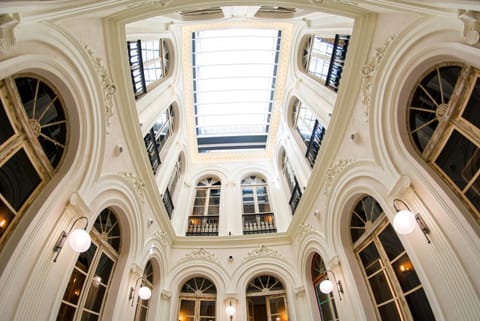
262 251
137 184
333 171
8 22
200 254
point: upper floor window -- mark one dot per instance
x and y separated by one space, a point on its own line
206 208
396 290
257 214
443 120
172 184
325 302
309 129
33 139
149 62
324 58
87 289
157 136
198 298
292 183
141 311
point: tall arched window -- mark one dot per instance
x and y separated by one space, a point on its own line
87 290
141 311
311 131
292 183
198 298
266 299
443 119
33 139
325 302
394 286
172 184
257 214
206 208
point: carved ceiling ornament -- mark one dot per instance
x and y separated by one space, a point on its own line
262 251
109 88
137 184
8 22
332 172
369 72
200 254
471 25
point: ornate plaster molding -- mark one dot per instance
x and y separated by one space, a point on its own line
200 254
137 184
161 236
332 172
262 251
303 230
165 294
369 72
8 22
154 3
471 25
109 88
300 291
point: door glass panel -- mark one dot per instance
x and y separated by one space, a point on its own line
391 242
370 259
95 298
419 306
380 288
74 287
85 259
389 312
277 309
207 308
405 273
187 309
6 216
472 112
66 313
86 316
6 130
104 268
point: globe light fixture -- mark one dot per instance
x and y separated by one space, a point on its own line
326 286
144 292
230 310
404 221
78 239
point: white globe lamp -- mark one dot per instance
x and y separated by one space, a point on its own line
79 240
326 286
404 222
144 293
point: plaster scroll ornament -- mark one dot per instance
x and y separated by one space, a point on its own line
8 22
303 231
162 237
109 88
471 25
137 184
332 172
200 254
262 251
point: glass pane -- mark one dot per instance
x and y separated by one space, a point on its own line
419 306
380 288
405 273
85 259
389 312
472 112
187 307
142 315
6 130
95 297
391 243
473 193
459 159
277 305
18 179
6 217
104 268
74 287
86 316
207 308
65 313
370 258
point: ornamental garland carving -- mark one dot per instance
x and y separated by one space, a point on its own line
109 88
303 230
8 22
369 72
332 172
161 236
200 254
262 251
137 184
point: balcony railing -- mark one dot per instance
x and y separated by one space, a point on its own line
167 201
315 142
295 198
136 67
259 223
337 61
202 225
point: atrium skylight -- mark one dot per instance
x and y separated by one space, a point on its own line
234 76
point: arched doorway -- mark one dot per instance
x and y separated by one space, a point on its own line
266 299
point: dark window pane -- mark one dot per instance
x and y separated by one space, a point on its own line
187 307
6 130
18 179
406 275
389 312
368 256
419 306
207 308
473 193
74 287
459 159
472 112
380 288
391 242
104 268
86 316
66 313
6 217
85 258
95 298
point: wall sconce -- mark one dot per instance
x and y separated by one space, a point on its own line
230 310
404 221
79 239
144 292
326 286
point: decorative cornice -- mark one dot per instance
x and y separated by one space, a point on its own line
8 22
332 172
369 72
200 254
154 3
262 251
303 230
137 184
109 88
471 25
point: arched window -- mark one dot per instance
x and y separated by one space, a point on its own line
311 131
141 311
325 302
172 184
33 139
149 62
394 286
257 214
157 136
198 298
292 183
266 299
443 120
87 290
206 208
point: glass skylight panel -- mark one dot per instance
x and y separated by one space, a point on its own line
234 75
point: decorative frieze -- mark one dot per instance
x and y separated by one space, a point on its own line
334 171
262 251
200 254
8 22
303 231
137 184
